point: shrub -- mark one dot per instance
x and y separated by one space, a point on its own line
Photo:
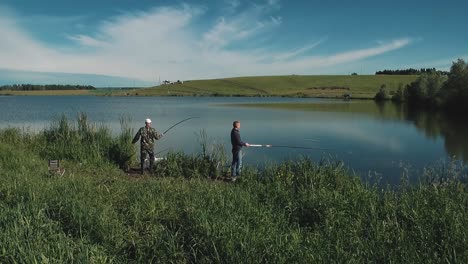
381 95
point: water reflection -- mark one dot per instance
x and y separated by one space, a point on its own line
450 127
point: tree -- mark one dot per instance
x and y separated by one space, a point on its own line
398 96
455 90
430 84
381 94
425 90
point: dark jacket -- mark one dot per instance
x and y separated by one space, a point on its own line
236 141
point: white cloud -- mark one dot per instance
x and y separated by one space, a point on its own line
276 20
253 21
273 3
87 41
365 53
316 64
359 134
18 50
232 5
296 52
168 42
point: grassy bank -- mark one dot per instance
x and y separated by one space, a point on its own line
48 92
291 212
359 86
100 91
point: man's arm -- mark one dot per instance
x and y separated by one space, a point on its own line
238 141
157 135
137 137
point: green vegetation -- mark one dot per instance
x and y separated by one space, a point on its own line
359 86
28 89
410 71
112 91
38 87
291 212
327 86
48 92
435 90
426 90
381 94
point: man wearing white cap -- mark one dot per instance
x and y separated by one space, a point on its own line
147 135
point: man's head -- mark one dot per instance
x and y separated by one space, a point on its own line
236 124
148 122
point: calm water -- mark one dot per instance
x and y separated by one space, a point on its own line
368 137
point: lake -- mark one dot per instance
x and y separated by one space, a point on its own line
371 139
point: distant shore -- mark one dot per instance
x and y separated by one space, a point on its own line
314 86
46 92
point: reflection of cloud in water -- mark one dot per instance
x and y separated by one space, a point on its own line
360 134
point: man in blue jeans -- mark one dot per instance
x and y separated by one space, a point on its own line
237 144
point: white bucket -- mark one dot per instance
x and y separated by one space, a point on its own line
146 162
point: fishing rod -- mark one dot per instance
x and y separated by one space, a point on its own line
281 146
179 123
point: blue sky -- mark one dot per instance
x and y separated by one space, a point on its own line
141 41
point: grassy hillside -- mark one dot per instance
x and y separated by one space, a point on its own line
359 86
329 86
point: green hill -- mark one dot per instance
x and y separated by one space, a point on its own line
359 86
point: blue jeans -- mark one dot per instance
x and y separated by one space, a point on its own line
236 165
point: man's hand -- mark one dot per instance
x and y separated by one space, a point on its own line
247 144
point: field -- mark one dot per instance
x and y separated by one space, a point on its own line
359 86
294 212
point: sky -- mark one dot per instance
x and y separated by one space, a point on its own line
142 42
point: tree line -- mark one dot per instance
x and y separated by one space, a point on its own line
434 89
39 87
410 71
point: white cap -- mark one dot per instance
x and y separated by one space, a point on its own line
147 120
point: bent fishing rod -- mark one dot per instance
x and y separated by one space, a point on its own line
179 123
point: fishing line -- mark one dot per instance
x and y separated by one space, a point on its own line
161 151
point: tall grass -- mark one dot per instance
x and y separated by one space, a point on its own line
298 211
122 151
83 142
87 142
